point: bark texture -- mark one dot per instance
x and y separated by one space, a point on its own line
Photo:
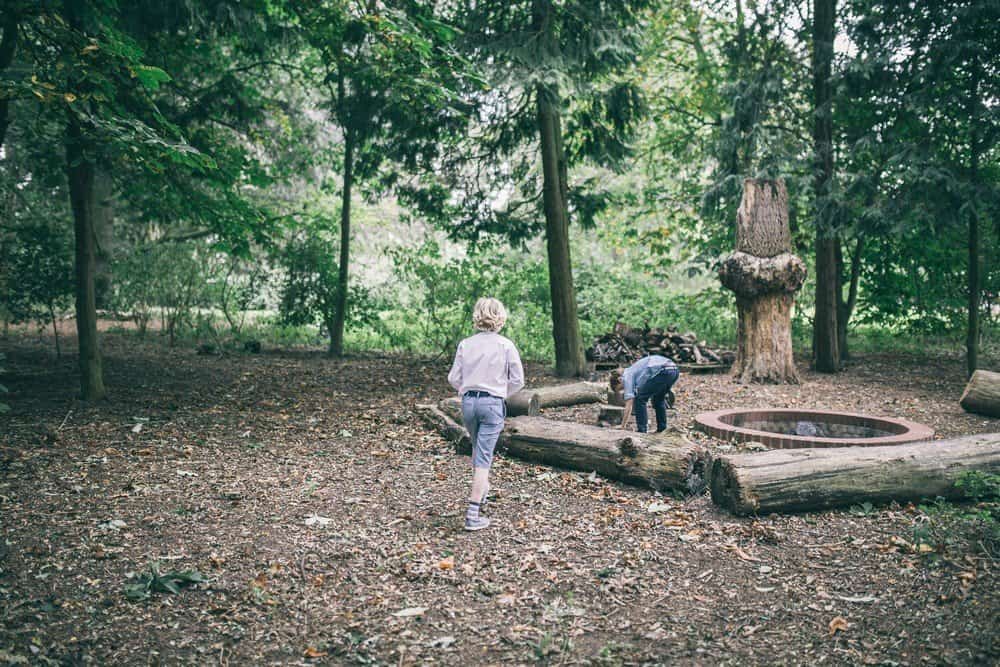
340 311
523 403
80 175
577 393
764 340
799 480
764 274
664 462
826 331
982 394
762 219
566 335
750 276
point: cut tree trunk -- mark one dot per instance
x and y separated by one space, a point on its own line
982 394
570 394
664 462
765 275
800 480
523 403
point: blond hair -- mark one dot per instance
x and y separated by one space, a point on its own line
489 315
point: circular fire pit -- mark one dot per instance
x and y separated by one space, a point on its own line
789 429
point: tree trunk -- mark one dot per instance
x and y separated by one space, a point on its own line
664 462
55 330
340 313
764 340
570 361
104 216
80 174
846 308
825 329
765 276
799 480
975 283
982 394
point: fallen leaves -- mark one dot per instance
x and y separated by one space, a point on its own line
410 612
838 624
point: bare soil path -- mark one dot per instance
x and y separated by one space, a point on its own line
328 520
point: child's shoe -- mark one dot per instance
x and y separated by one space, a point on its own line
477 523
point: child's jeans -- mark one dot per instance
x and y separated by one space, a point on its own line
655 388
483 415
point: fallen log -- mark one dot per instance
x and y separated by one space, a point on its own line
664 462
452 431
570 394
524 402
982 394
800 480
611 415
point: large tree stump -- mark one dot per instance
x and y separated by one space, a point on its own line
982 394
665 461
764 274
798 480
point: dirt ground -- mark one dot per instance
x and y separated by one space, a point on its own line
327 520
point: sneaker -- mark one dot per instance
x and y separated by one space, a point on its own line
477 524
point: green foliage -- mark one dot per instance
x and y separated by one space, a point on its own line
153 581
439 291
37 261
170 280
309 290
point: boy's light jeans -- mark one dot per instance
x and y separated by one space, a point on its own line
483 415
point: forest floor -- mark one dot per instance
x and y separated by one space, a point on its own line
328 522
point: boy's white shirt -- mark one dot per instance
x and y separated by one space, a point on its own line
487 362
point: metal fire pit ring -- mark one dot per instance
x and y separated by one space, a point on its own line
729 425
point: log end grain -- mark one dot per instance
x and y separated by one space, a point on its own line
727 491
524 403
982 394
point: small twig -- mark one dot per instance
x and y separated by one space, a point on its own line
65 419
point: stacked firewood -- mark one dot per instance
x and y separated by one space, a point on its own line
624 344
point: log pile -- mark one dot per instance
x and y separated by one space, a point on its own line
625 344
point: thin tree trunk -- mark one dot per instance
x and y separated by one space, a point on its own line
975 287
340 312
80 174
8 46
565 324
825 330
975 282
55 330
846 309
